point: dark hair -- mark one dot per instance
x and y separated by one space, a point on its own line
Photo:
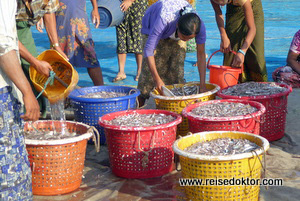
189 24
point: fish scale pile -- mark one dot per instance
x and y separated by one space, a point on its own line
104 94
141 120
185 90
222 147
223 109
253 89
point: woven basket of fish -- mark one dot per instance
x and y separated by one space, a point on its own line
56 153
272 95
90 103
185 94
225 115
218 157
140 142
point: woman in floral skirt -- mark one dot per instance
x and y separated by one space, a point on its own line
75 36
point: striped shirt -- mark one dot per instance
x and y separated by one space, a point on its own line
32 11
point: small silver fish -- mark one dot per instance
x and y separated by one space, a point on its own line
222 146
104 94
223 109
141 120
185 90
254 89
48 135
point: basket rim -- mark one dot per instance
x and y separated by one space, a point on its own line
110 116
82 99
261 150
194 96
186 112
285 93
81 137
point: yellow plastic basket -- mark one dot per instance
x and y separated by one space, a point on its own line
63 69
247 165
178 103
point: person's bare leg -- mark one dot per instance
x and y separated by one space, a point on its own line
96 75
139 60
121 74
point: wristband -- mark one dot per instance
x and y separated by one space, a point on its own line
241 51
55 45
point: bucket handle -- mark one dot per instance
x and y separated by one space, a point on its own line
145 159
231 76
96 137
207 65
136 99
282 104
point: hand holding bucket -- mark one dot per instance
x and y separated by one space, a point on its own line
66 77
224 76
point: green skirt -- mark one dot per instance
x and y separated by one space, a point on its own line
236 29
25 37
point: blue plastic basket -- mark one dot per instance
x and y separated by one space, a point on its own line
88 110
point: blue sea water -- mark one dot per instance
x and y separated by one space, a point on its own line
282 21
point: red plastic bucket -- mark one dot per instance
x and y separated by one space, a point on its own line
246 123
224 76
140 152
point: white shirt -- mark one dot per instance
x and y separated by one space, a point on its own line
8 39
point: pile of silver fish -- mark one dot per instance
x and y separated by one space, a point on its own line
185 90
223 109
104 94
253 89
141 120
222 147
48 135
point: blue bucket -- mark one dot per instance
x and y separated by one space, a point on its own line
110 13
88 110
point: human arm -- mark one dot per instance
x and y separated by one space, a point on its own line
157 80
292 61
11 66
41 66
239 57
50 24
95 14
225 45
150 46
126 4
201 63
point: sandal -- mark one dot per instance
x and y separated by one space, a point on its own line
119 78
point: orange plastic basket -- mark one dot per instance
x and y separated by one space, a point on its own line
224 76
63 69
57 165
